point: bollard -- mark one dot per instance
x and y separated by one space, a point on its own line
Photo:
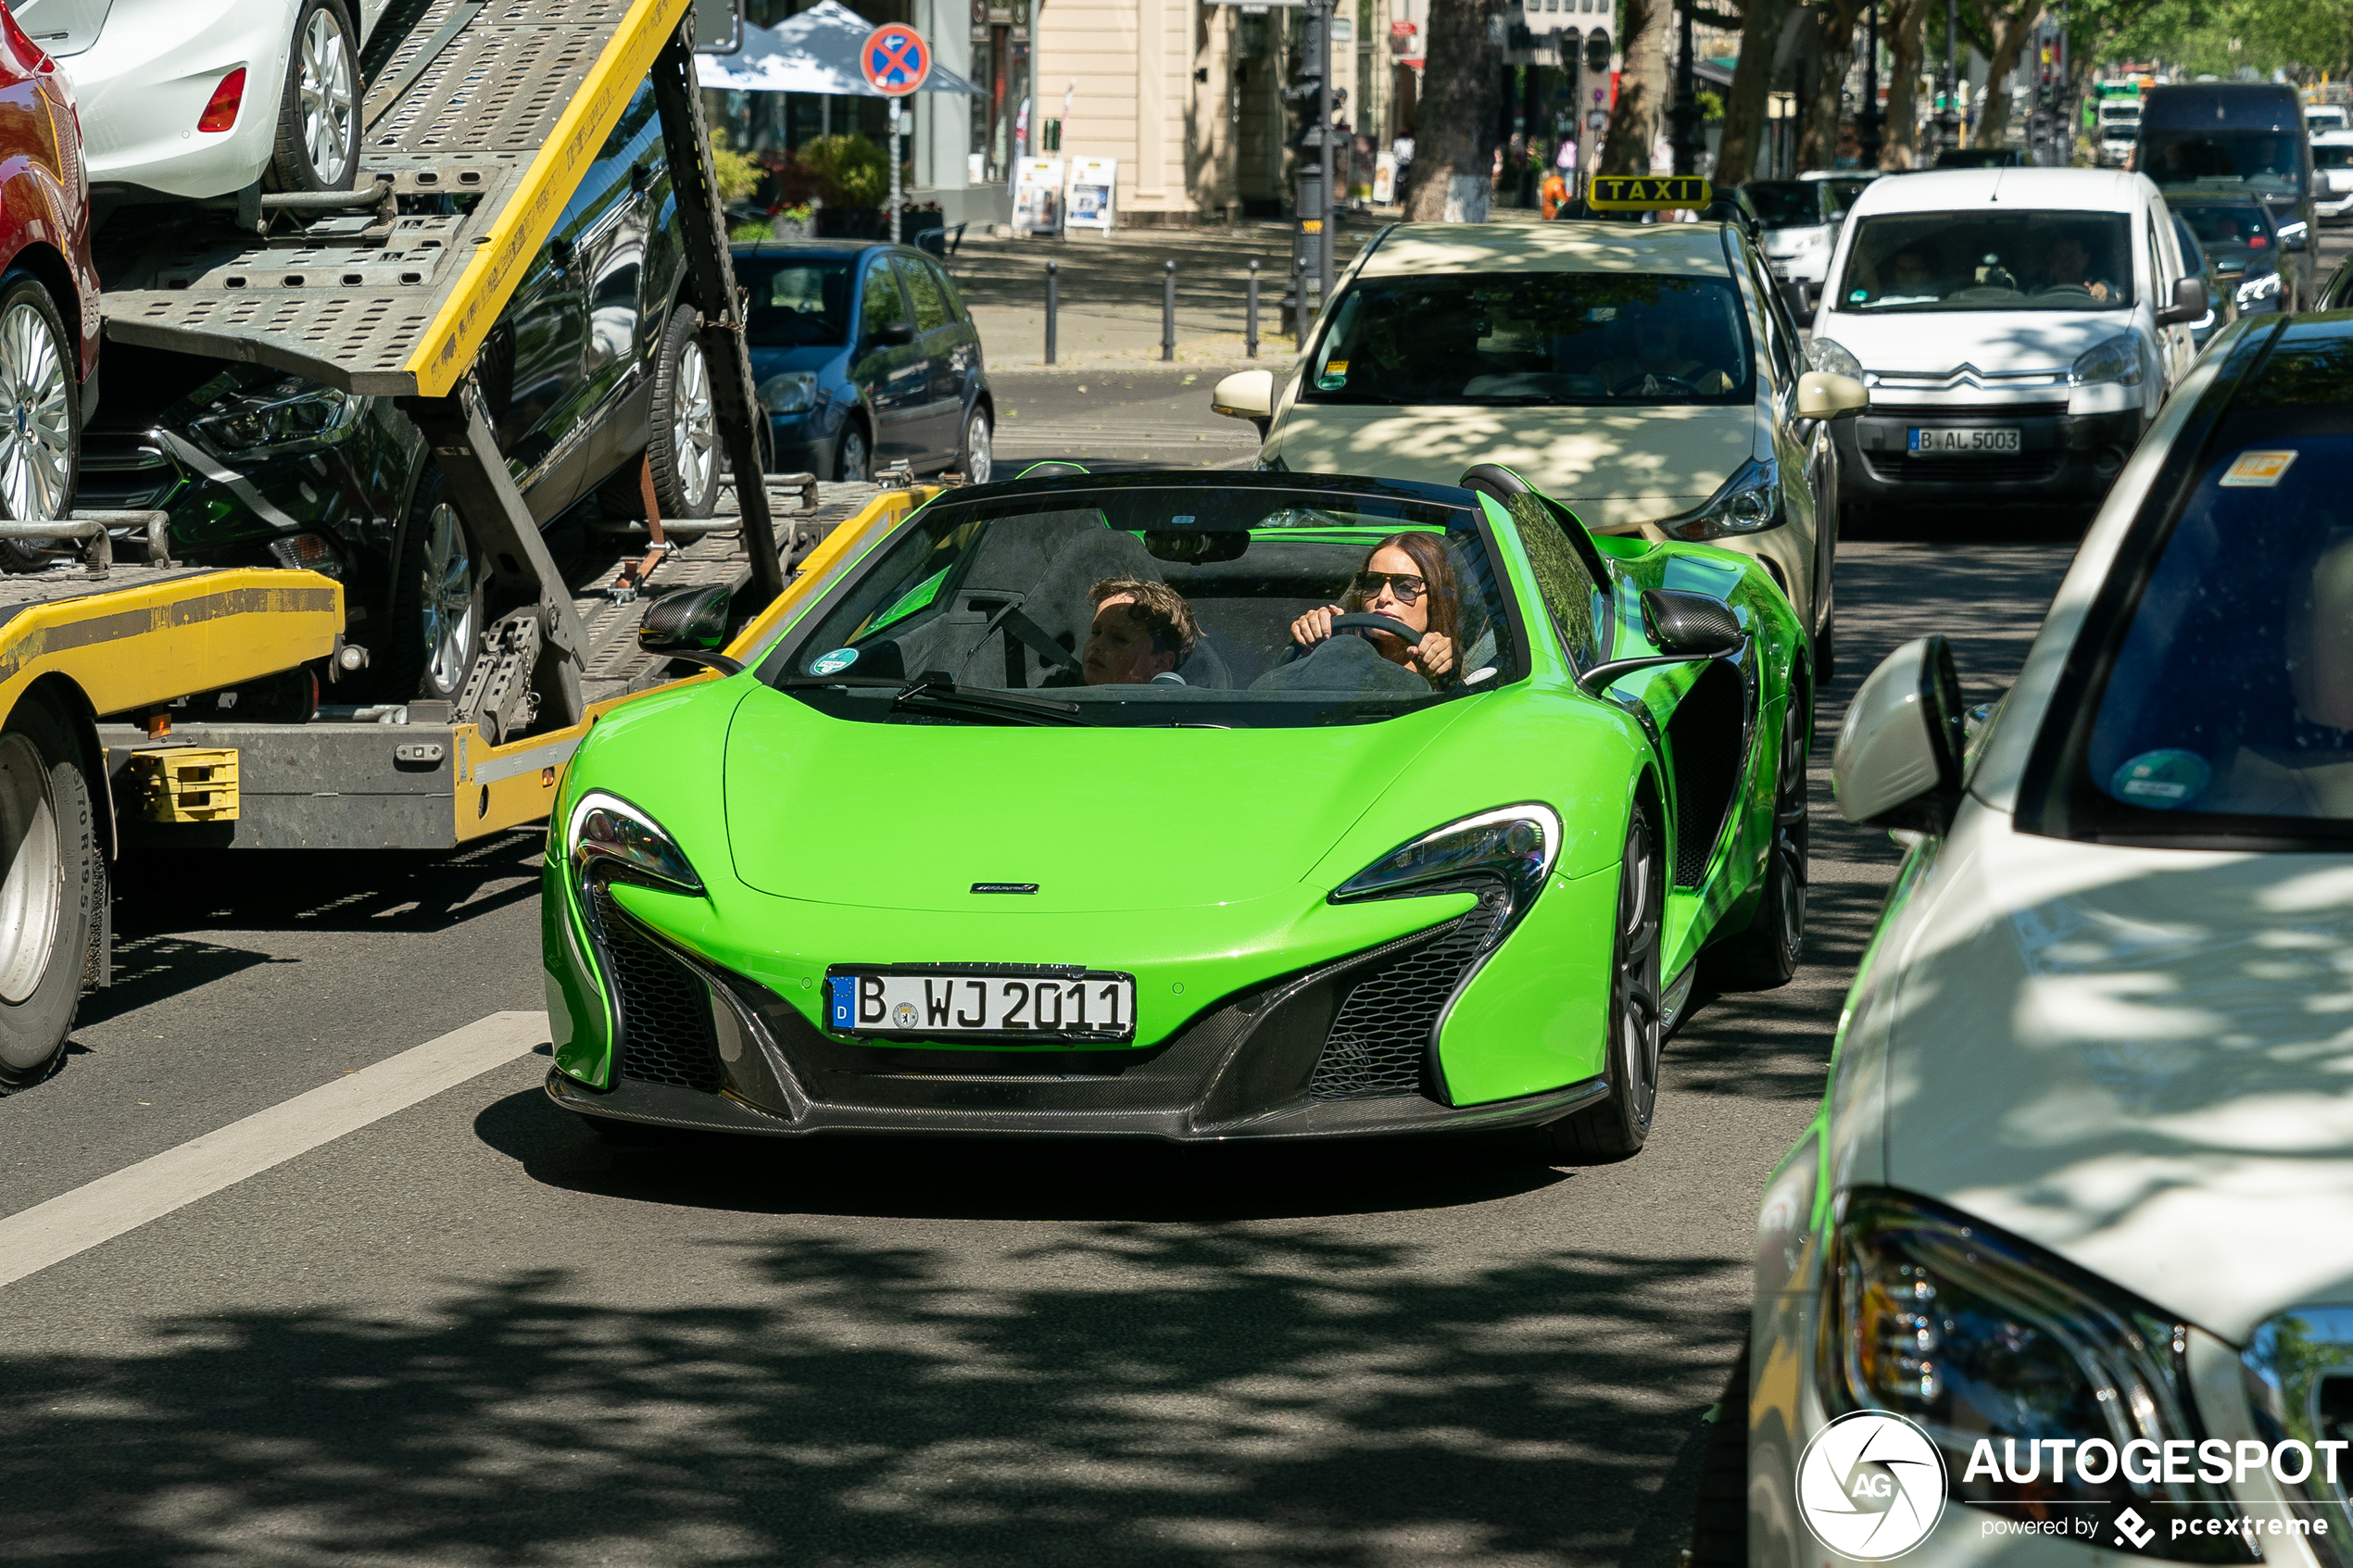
1168 311
1053 293
1250 314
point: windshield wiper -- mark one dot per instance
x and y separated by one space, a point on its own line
938 692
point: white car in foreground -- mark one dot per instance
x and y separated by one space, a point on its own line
205 97
2078 1205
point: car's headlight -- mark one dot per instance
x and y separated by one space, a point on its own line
1825 354
1749 502
794 392
294 416
2112 361
1513 844
1976 1335
2258 289
606 835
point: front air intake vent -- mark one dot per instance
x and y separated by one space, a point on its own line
666 1035
1377 1042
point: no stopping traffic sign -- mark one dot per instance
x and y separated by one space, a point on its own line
895 61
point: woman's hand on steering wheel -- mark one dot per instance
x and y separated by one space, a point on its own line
1314 627
1434 655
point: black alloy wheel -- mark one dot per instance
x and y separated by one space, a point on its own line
1618 1125
1766 954
438 620
52 888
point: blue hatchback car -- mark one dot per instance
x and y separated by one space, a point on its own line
865 356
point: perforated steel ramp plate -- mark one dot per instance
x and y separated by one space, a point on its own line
507 102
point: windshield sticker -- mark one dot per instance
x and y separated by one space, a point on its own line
834 662
1857 296
2257 471
2162 780
1335 376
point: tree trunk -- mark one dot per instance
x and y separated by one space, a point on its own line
1634 120
1818 142
1744 102
1902 25
1450 179
2011 30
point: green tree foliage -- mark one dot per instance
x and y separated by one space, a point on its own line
853 171
737 174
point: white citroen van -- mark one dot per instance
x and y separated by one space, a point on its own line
2017 329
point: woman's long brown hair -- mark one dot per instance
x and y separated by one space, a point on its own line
1428 551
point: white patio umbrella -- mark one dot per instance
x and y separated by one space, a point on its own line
814 51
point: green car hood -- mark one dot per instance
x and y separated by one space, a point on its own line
911 816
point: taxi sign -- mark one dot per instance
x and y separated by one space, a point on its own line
1642 193
895 60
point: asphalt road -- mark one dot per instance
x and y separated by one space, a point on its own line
468 1332
1114 416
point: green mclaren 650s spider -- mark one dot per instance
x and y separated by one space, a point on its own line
1190 806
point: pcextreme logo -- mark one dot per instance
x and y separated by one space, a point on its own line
1870 1485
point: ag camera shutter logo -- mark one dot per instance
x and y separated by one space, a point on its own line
1870 1485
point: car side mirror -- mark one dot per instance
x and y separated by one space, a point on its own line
1825 395
891 334
1688 628
1245 395
1800 298
2294 236
2189 304
690 623
1898 761
560 251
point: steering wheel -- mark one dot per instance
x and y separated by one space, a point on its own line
1390 624
1653 383
2084 289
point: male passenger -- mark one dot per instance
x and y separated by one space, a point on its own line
1142 632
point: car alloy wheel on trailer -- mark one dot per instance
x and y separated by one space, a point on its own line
976 460
318 122
49 892
687 459
40 416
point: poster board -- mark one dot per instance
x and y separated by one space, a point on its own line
1037 195
1094 183
1384 178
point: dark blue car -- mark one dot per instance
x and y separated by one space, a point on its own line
865 356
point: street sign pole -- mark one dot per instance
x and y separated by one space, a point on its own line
895 61
1324 139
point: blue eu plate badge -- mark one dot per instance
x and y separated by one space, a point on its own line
841 1000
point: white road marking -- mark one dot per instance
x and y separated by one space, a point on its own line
100 1210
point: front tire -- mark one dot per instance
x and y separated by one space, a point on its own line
853 459
52 888
437 615
975 458
1765 955
40 416
318 143
1619 1125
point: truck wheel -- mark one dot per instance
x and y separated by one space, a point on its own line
318 145
437 622
40 416
1619 1125
686 442
49 889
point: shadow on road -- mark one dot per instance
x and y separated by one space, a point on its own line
171 891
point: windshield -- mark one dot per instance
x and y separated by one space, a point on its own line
2267 163
1844 192
1786 204
2336 155
2125 115
1534 338
796 302
2246 226
1151 606
2018 260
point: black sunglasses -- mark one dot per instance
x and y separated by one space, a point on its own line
1407 587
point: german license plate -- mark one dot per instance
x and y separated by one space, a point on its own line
1004 1001
1946 441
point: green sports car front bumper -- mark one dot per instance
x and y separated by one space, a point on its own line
1331 1033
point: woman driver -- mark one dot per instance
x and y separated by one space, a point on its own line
1408 578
